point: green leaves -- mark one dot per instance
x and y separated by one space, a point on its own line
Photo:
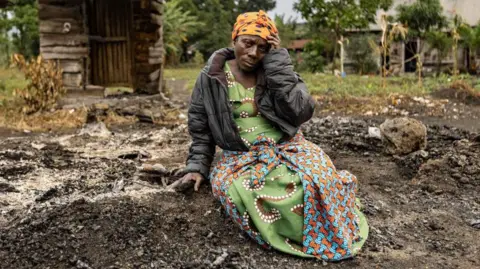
178 25
362 54
421 17
470 36
23 20
440 41
287 29
340 15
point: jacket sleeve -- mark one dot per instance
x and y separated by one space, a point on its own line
202 149
289 92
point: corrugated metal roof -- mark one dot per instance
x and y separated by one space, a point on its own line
298 44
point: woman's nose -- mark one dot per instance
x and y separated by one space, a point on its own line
252 52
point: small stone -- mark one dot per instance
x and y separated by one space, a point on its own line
101 106
38 146
182 116
374 132
475 223
456 176
434 226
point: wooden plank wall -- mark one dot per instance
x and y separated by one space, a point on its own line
148 44
63 37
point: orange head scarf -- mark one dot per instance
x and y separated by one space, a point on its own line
254 23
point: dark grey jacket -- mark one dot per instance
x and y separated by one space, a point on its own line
281 97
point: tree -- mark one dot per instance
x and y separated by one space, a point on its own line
362 54
219 17
313 55
5 42
339 16
287 28
255 5
178 24
441 42
471 39
24 26
421 17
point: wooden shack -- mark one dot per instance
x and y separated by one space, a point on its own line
104 43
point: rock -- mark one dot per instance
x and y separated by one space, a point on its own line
135 154
6 187
82 265
118 186
374 132
220 259
39 146
51 193
403 135
475 223
101 106
96 129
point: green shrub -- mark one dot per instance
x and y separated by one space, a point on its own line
362 55
313 59
198 59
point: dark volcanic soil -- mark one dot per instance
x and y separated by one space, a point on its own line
73 202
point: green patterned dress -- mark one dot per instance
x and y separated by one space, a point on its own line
279 219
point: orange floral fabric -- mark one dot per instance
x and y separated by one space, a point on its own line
254 23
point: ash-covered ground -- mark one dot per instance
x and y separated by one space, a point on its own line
73 201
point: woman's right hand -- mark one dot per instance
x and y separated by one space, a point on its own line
187 181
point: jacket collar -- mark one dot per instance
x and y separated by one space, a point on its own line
216 63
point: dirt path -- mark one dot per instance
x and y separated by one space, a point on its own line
72 201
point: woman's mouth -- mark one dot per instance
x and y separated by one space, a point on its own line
249 64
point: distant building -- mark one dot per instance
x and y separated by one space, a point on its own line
400 59
404 51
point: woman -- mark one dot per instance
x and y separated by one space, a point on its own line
281 189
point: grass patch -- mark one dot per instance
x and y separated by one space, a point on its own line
57 120
189 74
10 79
368 86
352 85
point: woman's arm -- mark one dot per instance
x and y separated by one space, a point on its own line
202 149
289 92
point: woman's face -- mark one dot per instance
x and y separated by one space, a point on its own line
249 51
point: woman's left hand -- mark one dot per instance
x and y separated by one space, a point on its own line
274 41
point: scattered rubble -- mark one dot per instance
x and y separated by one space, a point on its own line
66 188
